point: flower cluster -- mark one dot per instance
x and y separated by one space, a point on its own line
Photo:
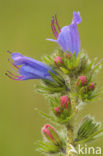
28 68
67 80
64 107
85 87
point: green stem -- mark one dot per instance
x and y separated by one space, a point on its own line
70 140
70 127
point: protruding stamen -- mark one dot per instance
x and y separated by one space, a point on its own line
14 70
8 51
12 77
53 28
13 64
14 74
56 21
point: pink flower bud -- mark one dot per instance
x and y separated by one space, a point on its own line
82 81
68 55
91 86
58 61
50 134
57 110
65 101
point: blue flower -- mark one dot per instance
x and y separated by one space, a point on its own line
28 68
68 36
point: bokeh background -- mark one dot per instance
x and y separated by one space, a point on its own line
24 26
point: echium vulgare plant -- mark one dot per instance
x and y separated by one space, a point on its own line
67 82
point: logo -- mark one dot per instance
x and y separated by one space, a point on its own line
86 150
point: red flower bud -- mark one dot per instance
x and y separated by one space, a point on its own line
91 86
50 134
58 61
65 101
68 55
57 110
82 81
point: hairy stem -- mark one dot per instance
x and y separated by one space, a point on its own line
70 140
70 127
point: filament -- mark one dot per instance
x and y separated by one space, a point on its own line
56 21
13 64
54 29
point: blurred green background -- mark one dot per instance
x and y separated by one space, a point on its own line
24 26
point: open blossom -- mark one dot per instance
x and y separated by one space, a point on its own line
50 134
27 68
68 36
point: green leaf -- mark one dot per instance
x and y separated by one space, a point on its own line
64 70
56 78
50 83
47 147
45 115
88 129
91 137
49 90
60 121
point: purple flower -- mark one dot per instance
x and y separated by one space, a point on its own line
68 36
27 68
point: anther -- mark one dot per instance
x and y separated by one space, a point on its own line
8 51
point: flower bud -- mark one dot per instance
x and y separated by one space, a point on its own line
91 86
65 101
50 134
68 55
57 110
82 81
58 61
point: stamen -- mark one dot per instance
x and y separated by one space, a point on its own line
13 64
14 70
53 28
14 74
56 21
9 52
12 77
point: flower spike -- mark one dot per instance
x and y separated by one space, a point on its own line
68 83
